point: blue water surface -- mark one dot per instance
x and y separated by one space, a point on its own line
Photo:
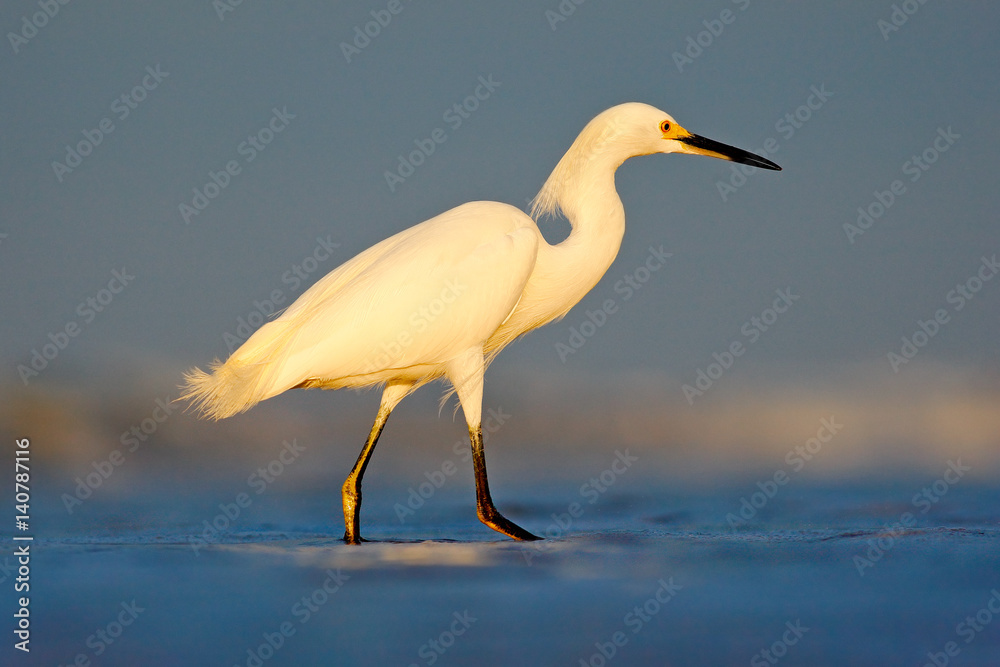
647 574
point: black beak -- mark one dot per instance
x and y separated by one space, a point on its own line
718 149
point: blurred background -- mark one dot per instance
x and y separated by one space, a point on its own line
175 172
848 99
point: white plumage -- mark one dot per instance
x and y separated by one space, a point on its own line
440 299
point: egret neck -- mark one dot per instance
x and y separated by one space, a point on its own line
585 192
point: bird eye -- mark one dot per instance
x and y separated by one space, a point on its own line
665 126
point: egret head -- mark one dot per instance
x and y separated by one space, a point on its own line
615 135
650 130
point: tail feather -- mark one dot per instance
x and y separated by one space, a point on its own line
245 379
228 389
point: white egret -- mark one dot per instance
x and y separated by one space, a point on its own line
439 300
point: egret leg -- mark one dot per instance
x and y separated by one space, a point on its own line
466 374
351 491
487 511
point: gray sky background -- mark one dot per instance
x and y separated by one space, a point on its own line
323 175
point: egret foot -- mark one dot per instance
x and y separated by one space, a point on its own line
498 522
351 491
487 511
352 511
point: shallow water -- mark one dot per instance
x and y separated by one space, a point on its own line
643 575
